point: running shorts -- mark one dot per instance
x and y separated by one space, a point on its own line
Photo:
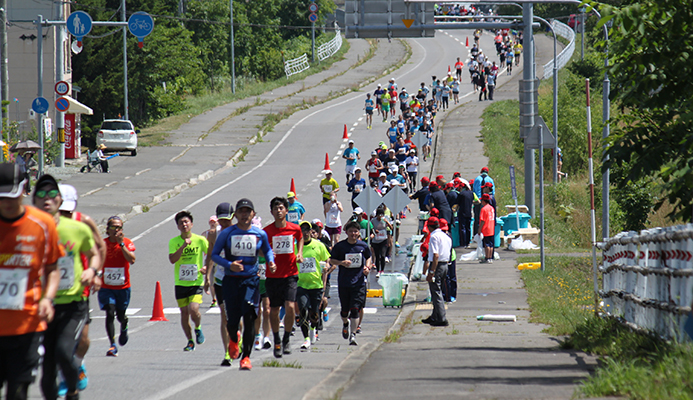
351 297
188 294
334 231
369 111
19 357
119 297
281 290
309 298
488 241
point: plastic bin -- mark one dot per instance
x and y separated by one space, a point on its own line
455 233
497 236
392 284
510 222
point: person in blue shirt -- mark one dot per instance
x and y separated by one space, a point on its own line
351 155
242 244
392 133
296 210
369 111
479 182
355 186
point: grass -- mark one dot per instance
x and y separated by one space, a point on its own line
395 335
281 364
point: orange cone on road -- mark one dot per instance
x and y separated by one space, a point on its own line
158 309
449 70
293 186
345 135
327 162
466 43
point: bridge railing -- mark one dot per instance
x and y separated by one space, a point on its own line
564 56
296 65
328 49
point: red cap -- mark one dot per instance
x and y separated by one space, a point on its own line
432 185
432 221
456 175
443 224
440 177
434 212
425 179
486 197
449 185
485 169
488 185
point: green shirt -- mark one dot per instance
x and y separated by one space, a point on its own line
76 238
310 270
364 229
189 265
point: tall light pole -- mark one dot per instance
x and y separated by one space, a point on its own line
125 60
233 52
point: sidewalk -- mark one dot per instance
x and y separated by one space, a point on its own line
472 359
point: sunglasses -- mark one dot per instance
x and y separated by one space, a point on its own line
50 193
115 228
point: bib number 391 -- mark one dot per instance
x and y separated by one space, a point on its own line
187 272
13 285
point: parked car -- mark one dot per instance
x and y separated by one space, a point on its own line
118 134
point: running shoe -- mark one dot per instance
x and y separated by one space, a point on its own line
233 349
352 340
345 331
258 342
286 347
240 341
278 350
490 261
325 316
83 378
317 337
123 337
214 304
112 351
306 344
62 389
358 329
453 300
266 343
199 336
245 364
190 346
226 362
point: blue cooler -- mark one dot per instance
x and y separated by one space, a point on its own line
497 236
510 222
455 233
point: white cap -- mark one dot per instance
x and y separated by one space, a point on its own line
382 174
350 141
70 196
358 210
379 85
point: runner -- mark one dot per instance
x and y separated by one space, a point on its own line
392 133
296 209
282 278
30 235
369 111
242 244
333 219
114 296
71 308
385 104
382 229
412 163
328 186
356 186
509 55
393 101
378 94
312 278
455 86
351 155
353 256
374 165
458 68
210 234
186 251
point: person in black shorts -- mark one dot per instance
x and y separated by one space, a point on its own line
353 256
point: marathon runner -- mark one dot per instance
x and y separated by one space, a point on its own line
186 253
353 256
378 93
458 68
29 253
351 155
369 111
296 209
328 186
312 277
242 244
282 277
71 308
114 295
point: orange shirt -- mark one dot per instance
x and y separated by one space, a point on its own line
27 245
486 215
116 269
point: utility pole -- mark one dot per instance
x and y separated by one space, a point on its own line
528 102
125 60
233 51
4 77
60 76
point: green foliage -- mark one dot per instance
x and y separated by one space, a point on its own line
636 200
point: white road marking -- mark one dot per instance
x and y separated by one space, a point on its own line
315 180
370 310
182 153
215 310
339 153
356 124
127 177
186 384
92 191
130 331
332 163
143 171
360 119
110 184
171 310
341 146
132 311
335 158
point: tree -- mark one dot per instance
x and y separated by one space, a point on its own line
650 49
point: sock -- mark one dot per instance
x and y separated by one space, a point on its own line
79 360
287 337
277 339
354 324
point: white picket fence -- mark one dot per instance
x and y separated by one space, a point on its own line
297 65
328 49
648 279
564 56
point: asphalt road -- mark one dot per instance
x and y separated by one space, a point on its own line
153 365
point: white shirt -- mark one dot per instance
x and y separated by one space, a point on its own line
441 244
412 163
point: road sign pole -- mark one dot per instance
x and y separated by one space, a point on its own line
529 76
541 197
59 75
125 62
39 28
312 28
233 52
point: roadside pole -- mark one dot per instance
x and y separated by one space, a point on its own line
39 28
60 76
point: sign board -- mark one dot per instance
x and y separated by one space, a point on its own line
140 24
62 104
62 88
532 140
39 105
396 200
513 188
313 7
48 128
419 139
368 200
79 24
385 19
313 17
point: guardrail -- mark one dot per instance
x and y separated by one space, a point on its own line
328 49
564 56
297 65
648 279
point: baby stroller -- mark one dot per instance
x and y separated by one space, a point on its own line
93 162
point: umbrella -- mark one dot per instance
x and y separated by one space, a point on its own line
25 145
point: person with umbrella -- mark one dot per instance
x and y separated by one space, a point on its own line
102 158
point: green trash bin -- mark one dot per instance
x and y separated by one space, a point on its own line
392 284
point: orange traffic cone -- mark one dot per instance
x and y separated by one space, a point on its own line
345 135
449 70
327 162
293 186
158 311
466 43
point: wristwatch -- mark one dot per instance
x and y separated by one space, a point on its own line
121 245
96 273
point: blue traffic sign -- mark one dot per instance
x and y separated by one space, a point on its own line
62 104
39 105
79 24
141 24
312 17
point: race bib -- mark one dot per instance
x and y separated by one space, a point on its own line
292 217
363 234
372 168
283 244
244 245
13 285
219 273
356 260
307 266
262 271
187 272
114 276
358 188
66 266
327 188
333 219
381 235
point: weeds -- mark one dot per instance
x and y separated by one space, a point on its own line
280 364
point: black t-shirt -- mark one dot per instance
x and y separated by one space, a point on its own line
352 276
465 202
420 195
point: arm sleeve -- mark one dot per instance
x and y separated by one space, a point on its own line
266 248
222 238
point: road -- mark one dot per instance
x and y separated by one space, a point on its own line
153 365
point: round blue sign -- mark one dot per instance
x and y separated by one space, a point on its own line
141 24
39 105
313 17
62 104
79 24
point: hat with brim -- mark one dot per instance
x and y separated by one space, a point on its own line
12 180
70 197
225 211
46 182
244 203
305 223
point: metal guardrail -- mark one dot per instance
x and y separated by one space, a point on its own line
647 279
297 65
328 49
564 56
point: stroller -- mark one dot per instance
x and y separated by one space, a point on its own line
93 163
